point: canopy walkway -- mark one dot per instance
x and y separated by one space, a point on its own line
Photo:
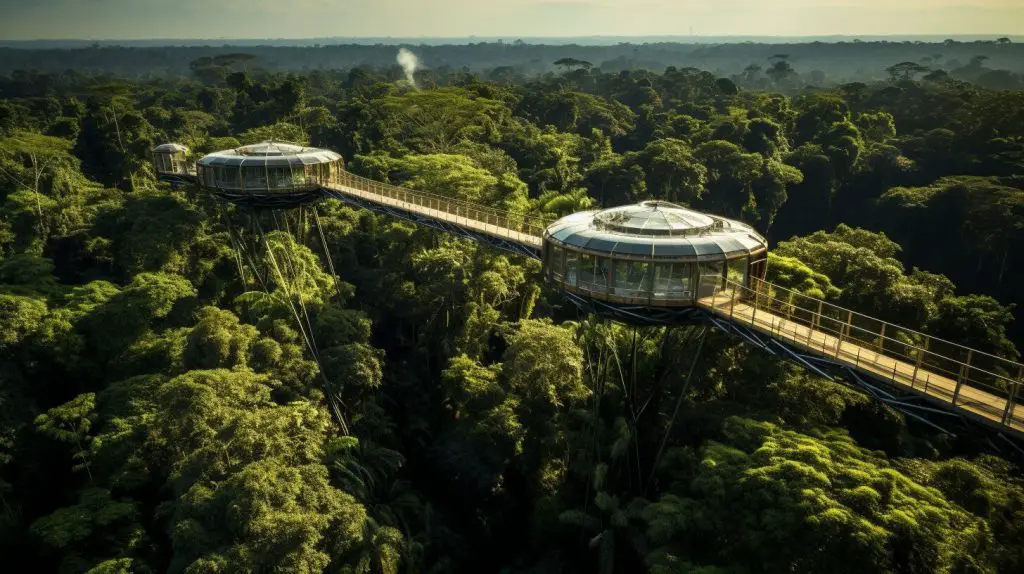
955 378
514 232
927 373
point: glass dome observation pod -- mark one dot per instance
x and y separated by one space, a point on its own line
171 162
269 174
651 259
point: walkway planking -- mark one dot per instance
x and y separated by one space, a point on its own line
463 221
971 401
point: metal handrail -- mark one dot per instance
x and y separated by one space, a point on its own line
876 336
508 220
1002 391
1010 362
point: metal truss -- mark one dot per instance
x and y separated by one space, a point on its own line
177 180
446 226
640 315
915 406
269 200
264 200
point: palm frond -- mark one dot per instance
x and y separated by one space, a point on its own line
581 519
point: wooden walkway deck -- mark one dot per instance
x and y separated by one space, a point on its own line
465 215
956 394
970 401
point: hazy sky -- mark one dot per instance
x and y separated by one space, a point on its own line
137 19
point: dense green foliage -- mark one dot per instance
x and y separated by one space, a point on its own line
161 409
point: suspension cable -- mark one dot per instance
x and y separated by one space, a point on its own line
293 268
327 252
332 400
234 244
315 350
679 402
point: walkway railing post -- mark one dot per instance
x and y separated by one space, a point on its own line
839 341
757 296
964 369
920 359
1014 389
881 338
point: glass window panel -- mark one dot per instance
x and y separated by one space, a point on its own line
577 240
228 177
662 280
674 250
680 286
603 272
282 178
621 274
572 267
564 232
737 271
710 278
707 247
729 244
255 178
557 261
601 244
633 248
633 278
588 277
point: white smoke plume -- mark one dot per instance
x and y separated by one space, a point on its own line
410 63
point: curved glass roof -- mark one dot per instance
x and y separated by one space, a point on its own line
170 148
269 154
656 230
654 218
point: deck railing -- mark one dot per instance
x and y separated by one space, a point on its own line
507 224
974 380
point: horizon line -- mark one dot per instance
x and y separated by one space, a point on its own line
504 37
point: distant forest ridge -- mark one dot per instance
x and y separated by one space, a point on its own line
538 40
997 63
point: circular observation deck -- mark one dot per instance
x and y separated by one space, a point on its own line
653 256
269 174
